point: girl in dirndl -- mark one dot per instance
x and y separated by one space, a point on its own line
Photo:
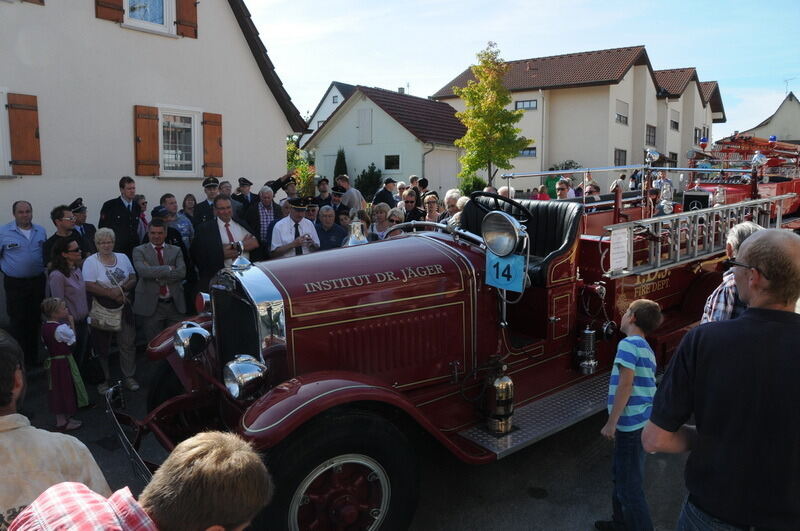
67 392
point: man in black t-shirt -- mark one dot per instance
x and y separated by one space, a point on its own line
739 380
64 221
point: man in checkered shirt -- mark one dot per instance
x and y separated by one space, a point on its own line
724 302
191 490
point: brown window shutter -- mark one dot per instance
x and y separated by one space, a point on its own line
37 2
109 10
212 145
23 125
146 140
186 18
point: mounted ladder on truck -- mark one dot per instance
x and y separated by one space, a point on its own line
685 237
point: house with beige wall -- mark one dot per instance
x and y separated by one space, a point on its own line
166 91
784 123
401 134
600 108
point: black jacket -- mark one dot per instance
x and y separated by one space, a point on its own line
206 250
246 200
384 196
202 213
87 238
253 219
123 222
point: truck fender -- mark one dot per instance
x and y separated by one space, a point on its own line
287 406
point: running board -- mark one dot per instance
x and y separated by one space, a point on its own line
545 416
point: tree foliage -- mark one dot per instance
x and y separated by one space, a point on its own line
297 163
471 183
492 139
340 168
568 164
369 181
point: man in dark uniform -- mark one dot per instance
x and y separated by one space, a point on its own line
121 215
204 210
336 202
280 182
386 194
86 230
245 197
324 196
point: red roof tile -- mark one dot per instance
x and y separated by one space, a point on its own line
428 120
672 83
599 67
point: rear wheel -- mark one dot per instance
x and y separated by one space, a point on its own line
354 471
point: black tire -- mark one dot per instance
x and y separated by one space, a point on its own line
164 385
356 442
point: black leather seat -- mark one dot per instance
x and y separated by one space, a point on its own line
552 228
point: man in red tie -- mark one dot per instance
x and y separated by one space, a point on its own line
159 293
219 241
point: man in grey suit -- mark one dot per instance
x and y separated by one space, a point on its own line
159 293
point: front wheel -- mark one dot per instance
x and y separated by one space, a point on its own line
353 471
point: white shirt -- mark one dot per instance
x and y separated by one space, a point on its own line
238 232
283 233
96 271
25 232
619 182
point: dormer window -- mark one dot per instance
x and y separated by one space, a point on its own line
334 99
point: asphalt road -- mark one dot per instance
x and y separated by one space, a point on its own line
562 482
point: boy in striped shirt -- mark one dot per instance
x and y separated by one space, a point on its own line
630 400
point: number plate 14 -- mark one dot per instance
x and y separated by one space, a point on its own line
506 272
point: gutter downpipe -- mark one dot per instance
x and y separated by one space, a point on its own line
541 137
433 146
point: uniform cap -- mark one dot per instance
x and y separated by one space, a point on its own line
159 212
338 190
244 182
210 181
298 203
290 180
77 206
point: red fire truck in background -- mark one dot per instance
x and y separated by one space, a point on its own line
484 337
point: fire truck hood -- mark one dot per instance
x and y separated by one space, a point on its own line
369 275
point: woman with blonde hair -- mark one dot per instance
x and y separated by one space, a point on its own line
380 228
110 278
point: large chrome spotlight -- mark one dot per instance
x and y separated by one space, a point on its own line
759 159
244 377
502 233
652 156
190 340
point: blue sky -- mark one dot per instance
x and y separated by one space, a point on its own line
750 50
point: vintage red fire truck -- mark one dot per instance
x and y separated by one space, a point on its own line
338 365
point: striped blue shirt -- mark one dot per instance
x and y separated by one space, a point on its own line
635 354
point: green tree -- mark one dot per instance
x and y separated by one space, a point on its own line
369 181
471 183
298 163
492 139
340 168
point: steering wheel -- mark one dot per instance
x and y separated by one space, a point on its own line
523 216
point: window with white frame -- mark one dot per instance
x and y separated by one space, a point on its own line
180 138
155 15
5 137
526 105
528 152
334 99
674 120
622 112
391 162
650 135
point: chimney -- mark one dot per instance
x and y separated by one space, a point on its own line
401 90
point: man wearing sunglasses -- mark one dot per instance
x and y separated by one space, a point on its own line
724 302
64 220
738 378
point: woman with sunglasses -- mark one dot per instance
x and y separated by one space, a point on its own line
431 203
413 212
394 217
65 281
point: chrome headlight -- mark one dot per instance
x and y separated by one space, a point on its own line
501 233
666 207
244 377
190 340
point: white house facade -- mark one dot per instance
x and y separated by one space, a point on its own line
334 96
402 135
167 92
599 108
784 123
